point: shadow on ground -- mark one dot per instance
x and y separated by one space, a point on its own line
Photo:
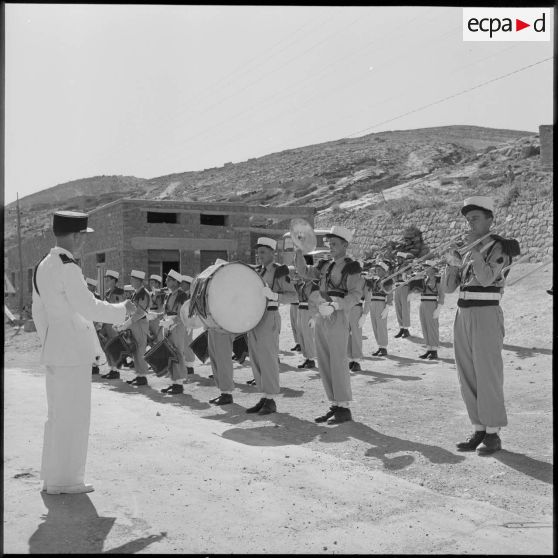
73 526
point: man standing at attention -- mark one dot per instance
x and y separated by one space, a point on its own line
64 308
341 286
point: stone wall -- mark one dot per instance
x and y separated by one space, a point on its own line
546 139
532 226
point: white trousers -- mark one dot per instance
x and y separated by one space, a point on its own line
66 434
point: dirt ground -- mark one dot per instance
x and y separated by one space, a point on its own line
174 474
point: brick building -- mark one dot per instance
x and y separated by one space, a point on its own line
156 236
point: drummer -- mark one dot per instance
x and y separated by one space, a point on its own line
189 356
174 330
263 340
113 294
138 326
220 347
157 301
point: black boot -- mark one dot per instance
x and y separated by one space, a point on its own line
257 406
400 333
175 389
342 414
138 381
351 364
112 375
405 333
433 355
473 442
490 444
356 367
223 399
95 369
310 364
382 352
377 353
303 365
328 415
425 355
296 347
251 382
268 407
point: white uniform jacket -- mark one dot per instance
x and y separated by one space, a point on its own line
64 311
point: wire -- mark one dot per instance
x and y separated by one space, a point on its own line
450 97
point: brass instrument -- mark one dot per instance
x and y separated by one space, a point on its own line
303 235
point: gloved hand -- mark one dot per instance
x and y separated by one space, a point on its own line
453 258
362 321
384 313
312 323
269 294
130 307
436 313
326 308
123 326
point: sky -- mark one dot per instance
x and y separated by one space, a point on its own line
153 90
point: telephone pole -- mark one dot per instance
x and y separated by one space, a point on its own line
20 261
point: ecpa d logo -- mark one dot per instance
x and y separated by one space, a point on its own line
507 24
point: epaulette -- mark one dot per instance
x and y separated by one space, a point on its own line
351 267
510 246
281 271
66 259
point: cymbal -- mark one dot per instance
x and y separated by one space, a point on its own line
302 235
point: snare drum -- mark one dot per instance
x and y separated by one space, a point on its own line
228 297
200 347
161 357
119 347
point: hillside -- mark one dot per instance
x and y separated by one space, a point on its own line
357 174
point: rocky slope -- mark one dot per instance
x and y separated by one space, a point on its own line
360 174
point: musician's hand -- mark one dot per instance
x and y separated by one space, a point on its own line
436 313
130 307
362 321
269 294
326 308
453 258
384 313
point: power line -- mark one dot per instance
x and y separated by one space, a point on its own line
289 89
450 97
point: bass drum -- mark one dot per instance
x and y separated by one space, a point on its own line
228 297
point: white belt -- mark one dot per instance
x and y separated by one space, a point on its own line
378 298
272 305
468 295
429 297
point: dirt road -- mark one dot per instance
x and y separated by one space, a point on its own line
174 474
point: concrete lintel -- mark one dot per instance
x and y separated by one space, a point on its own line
182 243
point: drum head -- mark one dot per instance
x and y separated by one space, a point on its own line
235 297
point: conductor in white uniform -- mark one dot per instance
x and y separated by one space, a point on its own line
64 311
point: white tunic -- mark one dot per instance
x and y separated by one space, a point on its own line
63 311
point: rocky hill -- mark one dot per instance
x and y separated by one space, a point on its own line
349 175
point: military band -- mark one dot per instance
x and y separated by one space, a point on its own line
329 301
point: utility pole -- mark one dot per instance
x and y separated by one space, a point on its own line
20 260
